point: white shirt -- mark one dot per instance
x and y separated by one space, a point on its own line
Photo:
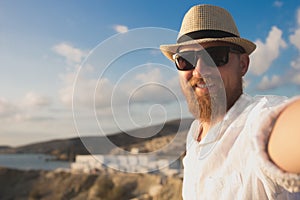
231 161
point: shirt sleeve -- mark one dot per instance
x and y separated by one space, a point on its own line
269 113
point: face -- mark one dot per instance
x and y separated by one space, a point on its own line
211 91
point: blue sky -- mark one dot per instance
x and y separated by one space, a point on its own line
47 46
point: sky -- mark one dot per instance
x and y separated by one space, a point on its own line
79 68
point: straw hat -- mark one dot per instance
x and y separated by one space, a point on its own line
207 23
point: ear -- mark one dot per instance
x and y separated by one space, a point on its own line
244 63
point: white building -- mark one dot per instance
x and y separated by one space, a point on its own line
128 163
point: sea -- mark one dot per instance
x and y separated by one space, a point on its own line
32 162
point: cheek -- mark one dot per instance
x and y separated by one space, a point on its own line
230 78
186 75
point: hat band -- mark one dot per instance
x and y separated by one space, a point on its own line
204 34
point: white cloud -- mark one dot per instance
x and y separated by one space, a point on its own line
154 88
71 54
278 4
296 63
295 78
88 92
152 93
66 92
151 76
145 87
120 28
267 52
295 40
26 108
267 83
7 109
33 99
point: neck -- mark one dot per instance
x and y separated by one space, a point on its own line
206 126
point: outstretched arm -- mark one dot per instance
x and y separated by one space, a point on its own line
284 142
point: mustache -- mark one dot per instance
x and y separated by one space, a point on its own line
209 79
195 80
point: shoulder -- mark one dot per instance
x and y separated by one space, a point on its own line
259 101
265 108
270 100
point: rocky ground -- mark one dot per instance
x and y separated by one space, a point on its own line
18 184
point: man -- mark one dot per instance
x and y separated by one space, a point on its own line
239 147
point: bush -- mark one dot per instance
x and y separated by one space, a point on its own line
105 188
35 194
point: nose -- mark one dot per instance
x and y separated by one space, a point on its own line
196 72
201 68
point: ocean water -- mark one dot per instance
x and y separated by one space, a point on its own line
32 161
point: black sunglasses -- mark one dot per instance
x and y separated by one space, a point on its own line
212 56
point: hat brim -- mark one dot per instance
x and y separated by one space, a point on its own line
171 49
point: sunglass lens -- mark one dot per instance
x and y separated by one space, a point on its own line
219 55
212 56
185 61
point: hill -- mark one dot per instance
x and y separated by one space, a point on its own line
67 149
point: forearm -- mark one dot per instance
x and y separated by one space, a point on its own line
284 142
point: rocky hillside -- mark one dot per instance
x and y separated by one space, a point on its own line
16 184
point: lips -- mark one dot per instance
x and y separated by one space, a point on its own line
203 85
200 83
